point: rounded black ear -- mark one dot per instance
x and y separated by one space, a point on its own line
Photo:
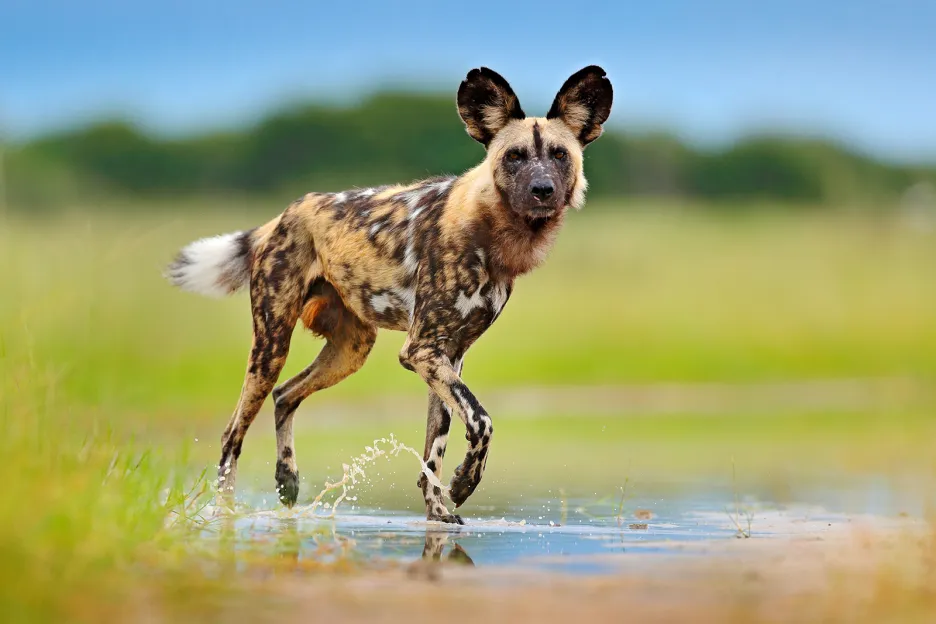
486 103
584 103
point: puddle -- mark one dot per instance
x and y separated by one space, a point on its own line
550 533
487 541
596 543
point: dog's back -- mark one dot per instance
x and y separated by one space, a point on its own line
365 243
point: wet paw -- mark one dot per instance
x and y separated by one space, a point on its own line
462 486
448 518
287 484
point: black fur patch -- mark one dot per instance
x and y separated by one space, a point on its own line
589 87
482 90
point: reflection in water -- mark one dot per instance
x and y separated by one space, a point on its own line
227 545
435 544
458 555
294 541
431 563
288 541
524 536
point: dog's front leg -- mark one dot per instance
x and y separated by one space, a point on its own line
432 364
437 430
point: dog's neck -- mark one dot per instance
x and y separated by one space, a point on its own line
515 245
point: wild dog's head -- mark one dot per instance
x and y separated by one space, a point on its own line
536 162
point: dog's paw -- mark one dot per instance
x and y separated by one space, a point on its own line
448 518
287 484
462 486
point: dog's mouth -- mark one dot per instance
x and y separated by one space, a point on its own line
536 218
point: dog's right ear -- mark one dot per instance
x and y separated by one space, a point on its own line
486 104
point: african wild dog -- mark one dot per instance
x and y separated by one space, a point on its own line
436 259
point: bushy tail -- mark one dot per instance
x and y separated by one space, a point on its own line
215 266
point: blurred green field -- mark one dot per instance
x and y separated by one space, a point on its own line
109 376
632 293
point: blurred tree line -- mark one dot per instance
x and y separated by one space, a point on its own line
392 137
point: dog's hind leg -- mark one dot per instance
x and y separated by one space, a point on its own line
349 341
277 287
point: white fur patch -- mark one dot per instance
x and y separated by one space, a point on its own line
466 304
443 185
438 444
210 266
381 302
407 298
465 408
397 299
498 298
412 199
410 262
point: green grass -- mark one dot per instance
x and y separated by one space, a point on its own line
107 377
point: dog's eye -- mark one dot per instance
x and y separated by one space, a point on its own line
559 154
514 155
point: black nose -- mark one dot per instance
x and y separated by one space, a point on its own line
542 189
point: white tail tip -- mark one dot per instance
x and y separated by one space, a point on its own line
215 266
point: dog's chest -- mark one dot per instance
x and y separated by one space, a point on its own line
483 304
468 310
471 311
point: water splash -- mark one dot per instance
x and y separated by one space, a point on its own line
354 472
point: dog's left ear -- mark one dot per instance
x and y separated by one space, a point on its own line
584 103
486 103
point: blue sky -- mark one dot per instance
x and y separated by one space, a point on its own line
859 71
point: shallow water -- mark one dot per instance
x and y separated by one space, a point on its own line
548 531
579 537
486 541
